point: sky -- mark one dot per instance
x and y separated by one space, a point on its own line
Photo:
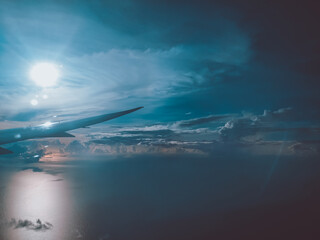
227 83
182 62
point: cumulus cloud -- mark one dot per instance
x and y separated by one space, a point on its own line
249 125
29 151
75 147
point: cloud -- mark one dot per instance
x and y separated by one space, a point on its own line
282 114
111 61
250 125
203 135
29 225
306 147
29 151
76 147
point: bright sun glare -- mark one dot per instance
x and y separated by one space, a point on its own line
45 74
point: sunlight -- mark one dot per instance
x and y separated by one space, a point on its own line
45 74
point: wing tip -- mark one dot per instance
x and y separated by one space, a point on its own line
127 111
136 109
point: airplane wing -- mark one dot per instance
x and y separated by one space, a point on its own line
82 123
49 129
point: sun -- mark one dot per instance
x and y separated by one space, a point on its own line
45 74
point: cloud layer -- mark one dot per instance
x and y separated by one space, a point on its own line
256 134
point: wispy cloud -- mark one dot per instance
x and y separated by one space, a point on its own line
104 67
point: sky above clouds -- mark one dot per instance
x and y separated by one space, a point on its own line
226 147
208 74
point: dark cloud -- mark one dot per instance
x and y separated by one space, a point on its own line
270 121
29 152
152 131
116 140
75 147
306 147
282 114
